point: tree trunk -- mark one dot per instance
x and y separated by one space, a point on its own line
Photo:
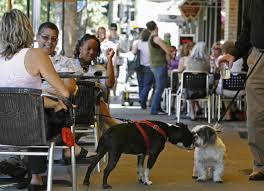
70 28
82 19
67 28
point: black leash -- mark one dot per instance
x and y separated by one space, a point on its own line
121 119
233 99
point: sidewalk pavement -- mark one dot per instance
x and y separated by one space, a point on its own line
173 169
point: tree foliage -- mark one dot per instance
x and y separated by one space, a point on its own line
22 5
95 11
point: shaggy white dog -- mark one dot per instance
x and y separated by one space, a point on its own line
208 154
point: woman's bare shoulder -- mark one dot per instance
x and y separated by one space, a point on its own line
36 55
36 52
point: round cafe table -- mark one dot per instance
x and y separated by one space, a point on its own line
80 76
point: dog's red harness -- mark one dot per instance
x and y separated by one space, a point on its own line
143 133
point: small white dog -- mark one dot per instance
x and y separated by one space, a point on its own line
209 154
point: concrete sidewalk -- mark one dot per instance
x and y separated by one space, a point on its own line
173 169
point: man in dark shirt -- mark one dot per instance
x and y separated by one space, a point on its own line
252 39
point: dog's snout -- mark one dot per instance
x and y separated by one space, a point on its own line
195 136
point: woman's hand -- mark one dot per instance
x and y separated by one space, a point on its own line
59 106
226 58
110 53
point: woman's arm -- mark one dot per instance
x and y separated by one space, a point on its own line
135 47
181 67
164 47
37 62
57 105
161 43
110 82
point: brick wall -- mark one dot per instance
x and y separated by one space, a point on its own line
231 7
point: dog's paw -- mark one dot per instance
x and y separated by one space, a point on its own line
86 183
148 183
107 186
218 180
141 181
201 179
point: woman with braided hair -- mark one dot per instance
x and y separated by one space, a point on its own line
86 51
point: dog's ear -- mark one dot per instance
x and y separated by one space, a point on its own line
181 133
210 135
180 124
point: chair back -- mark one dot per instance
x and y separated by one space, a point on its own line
194 84
194 80
22 121
235 82
85 99
174 81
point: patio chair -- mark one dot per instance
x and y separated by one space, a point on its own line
23 126
192 81
231 86
86 120
171 92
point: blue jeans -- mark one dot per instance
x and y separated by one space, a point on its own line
145 80
160 75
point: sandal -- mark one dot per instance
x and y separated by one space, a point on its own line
83 157
84 154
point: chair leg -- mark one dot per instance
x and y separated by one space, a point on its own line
50 167
213 106
209 109
178 108
169 102
218 107
96 144
73 166
206 109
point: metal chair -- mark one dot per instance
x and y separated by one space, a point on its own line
172 90
86 120
233 84
195 82
23 126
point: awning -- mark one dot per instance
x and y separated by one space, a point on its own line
190 9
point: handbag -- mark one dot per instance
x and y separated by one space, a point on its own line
194 93
135 64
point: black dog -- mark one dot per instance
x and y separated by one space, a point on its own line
126 138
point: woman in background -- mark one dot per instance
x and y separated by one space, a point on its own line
227 48
144 75
198 62
160 57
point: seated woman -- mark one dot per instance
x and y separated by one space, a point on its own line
237 67
86 51
198 61
23 66
47 38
